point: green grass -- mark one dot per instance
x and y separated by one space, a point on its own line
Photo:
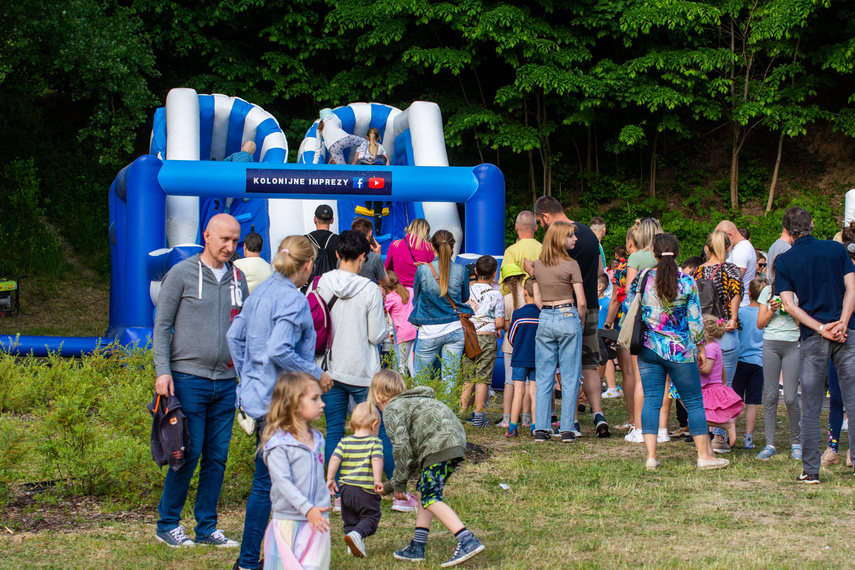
586 505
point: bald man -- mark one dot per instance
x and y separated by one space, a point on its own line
244 154
741 254
198 299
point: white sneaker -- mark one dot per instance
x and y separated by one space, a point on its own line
355 544
612 393
663 436
635 436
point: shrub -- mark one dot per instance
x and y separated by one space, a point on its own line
28 245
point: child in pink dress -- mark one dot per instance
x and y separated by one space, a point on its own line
721 404
399 305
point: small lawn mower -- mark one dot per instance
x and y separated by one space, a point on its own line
9 298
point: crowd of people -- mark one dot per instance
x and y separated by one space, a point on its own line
301 339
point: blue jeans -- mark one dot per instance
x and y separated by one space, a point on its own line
448 348
335 412
686 379
835 408
258 508
210 409
558 343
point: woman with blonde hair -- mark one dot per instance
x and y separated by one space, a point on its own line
559 293
437 284
407 254
272 335
727 279
642 258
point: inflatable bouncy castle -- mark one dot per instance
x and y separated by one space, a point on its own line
160 203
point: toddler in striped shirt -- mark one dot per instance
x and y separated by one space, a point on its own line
360 457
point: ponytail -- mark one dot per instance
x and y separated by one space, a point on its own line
443 243
394 284
373 147
294 252
666 249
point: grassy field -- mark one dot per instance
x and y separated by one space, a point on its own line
584 505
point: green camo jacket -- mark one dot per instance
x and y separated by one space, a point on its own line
423 432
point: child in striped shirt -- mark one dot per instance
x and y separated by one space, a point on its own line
360 457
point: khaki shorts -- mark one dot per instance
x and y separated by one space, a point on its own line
480 370
591 359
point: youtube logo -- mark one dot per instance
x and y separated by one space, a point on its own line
376 183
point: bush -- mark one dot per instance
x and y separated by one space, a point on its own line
28 245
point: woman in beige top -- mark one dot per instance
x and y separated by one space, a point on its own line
558 291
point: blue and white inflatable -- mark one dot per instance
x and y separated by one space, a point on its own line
160 203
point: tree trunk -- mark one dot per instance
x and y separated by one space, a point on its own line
596 153
734 173
653 158
588 161
775 174
532 178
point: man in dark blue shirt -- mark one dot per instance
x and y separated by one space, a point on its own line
822 276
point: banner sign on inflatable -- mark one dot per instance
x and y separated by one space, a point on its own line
358 183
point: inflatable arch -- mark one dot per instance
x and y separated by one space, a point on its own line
161 201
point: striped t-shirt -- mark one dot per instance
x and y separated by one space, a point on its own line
356 454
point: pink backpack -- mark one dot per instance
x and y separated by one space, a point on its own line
321 317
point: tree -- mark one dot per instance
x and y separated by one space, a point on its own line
90 53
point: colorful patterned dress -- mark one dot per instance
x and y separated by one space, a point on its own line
672 328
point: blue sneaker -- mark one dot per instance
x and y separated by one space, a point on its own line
767 453
216 538
175 538
466 549
577 429
796 452
415 552
512 432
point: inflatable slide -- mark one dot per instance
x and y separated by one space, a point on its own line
160 203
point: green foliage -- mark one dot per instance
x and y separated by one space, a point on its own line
28 244
86 51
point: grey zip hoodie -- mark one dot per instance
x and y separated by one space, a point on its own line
194 313
358 326
297 479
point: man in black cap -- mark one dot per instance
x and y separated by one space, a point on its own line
324 241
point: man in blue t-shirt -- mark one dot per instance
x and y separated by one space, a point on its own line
822 276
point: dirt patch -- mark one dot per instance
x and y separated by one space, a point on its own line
33 511
475 454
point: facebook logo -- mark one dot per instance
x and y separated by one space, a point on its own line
359 182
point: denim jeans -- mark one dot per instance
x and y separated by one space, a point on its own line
686 379
210 409
815 353
558 343
448 348
258 508
335 411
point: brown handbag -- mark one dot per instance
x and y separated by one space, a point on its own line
471 348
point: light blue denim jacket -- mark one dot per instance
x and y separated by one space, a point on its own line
273 334
431 309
